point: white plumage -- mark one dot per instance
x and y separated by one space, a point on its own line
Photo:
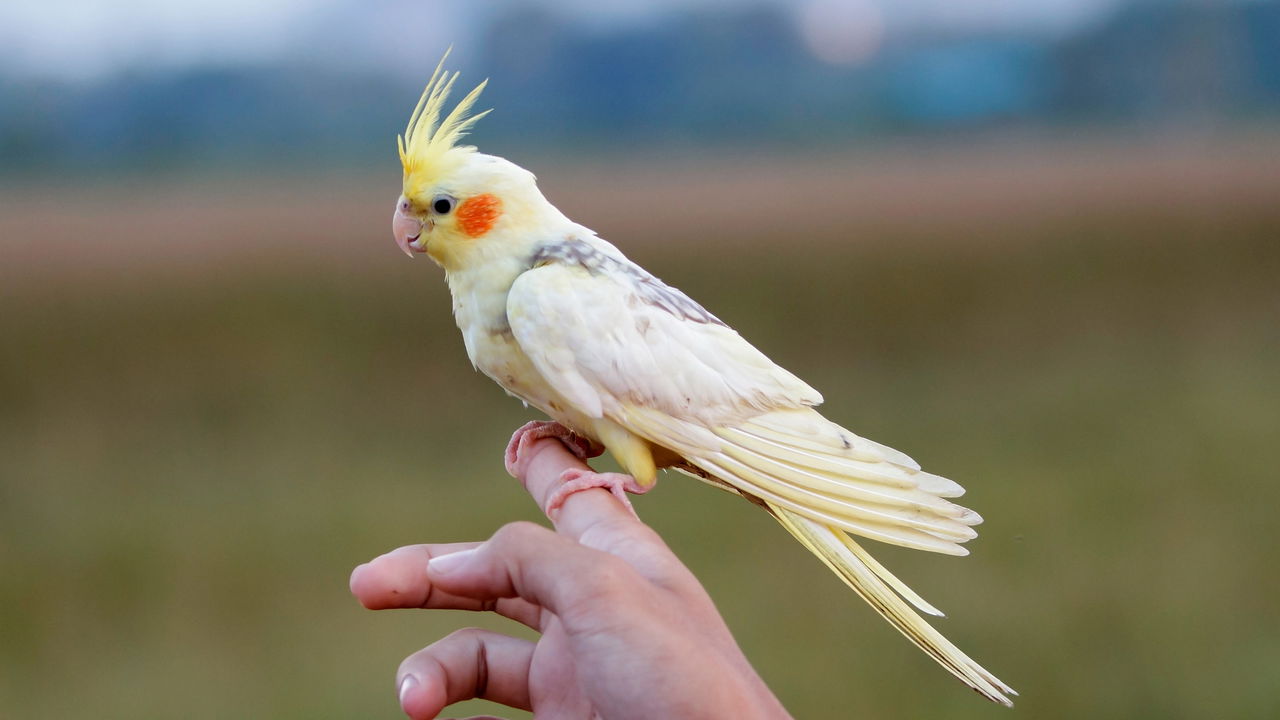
563 320
614 347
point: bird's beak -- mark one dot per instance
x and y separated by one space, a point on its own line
409 229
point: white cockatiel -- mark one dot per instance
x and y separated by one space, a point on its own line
564 321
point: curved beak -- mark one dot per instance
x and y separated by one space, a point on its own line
408 229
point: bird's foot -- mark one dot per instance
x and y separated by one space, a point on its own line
576 480
524 437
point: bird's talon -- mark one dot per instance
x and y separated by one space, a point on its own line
576 480
583 448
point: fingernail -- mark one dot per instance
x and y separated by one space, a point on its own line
407 683
444 564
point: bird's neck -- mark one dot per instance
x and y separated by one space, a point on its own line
480 286
480 292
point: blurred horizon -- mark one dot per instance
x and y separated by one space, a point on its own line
148 36
328 84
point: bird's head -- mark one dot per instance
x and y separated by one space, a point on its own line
456 201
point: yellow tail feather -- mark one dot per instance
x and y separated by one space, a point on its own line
821 482
876 585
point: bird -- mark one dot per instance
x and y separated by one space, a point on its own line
622 362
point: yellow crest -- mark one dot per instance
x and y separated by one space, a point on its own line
428 140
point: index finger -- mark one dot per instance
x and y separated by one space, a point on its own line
595 518
544 461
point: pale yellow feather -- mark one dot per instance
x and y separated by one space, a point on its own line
844 557
429 147
563 320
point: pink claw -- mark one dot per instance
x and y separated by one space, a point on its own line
576 480
580 446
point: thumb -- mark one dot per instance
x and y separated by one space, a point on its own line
531 562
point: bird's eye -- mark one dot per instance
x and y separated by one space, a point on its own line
443 204
404 206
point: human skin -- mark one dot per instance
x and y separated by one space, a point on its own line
626 629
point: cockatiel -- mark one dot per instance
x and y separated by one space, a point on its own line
563 320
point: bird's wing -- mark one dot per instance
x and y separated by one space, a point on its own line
615 342
606 334
618 343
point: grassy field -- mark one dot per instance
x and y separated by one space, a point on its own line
216 400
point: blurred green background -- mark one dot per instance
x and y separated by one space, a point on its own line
222 387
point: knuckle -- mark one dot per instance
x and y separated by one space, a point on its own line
429 655
518 533
467 635
610 593
608 577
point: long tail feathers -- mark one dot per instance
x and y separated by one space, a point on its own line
822 482
877 586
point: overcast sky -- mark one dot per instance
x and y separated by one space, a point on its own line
79 39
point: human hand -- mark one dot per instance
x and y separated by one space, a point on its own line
626 629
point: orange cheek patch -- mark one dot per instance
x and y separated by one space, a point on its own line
478 215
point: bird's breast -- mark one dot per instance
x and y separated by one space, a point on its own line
498 355
481 315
